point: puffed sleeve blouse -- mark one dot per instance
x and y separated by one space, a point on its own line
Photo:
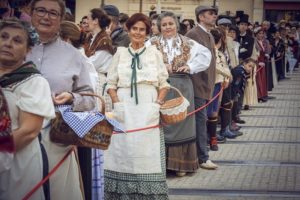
152 69
65 69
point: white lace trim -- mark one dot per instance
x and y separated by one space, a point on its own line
171 47
174 111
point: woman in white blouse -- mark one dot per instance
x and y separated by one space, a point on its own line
182 57
137 83
99 48
29 101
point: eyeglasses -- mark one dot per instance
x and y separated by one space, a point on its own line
41 12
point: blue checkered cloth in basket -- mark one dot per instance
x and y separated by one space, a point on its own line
83 122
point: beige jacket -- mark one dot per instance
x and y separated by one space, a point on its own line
222 69
234 61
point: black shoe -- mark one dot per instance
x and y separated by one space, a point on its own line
239 121
214 147
238 133
221 139
262 100
271 97
246 107
228 134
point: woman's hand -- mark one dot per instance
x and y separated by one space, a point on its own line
63 98
115 100
225 84
169 68
113 95
160 102
185 69
262 64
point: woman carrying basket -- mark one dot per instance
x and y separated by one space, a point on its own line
65 69
137 84
182 57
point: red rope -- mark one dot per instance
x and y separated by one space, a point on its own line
48 176
209 102
259 69
128 131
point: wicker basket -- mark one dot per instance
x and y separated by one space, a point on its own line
165 110
98 137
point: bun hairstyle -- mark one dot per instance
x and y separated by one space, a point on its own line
103 19
219 35
138 17
167 14
69 30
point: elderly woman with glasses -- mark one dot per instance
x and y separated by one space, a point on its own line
182 57
65 69
29 102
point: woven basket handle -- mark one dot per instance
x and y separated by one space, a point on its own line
99 97
178 92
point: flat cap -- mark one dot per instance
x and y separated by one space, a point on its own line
201 9
224 21
111 10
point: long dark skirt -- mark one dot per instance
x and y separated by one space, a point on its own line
261 82
181 153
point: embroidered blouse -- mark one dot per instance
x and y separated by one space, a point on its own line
180 51
152 70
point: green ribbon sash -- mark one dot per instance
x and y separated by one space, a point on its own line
135 64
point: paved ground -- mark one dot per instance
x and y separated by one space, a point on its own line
262 164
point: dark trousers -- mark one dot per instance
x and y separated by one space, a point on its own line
85 161
279 68
240 103
201 130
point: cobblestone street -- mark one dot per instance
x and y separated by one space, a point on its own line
262 164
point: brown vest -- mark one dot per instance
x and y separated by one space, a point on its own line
204 81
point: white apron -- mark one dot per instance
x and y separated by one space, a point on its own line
137 152
65 182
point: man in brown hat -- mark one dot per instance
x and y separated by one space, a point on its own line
204 81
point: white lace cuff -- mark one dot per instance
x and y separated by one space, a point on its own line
174 111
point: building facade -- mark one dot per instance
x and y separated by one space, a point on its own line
256 9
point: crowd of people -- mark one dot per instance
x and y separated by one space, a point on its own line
133 62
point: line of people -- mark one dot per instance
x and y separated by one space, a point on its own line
133 67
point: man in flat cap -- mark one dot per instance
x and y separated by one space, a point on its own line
204 81
118 36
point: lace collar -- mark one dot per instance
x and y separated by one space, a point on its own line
171 47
